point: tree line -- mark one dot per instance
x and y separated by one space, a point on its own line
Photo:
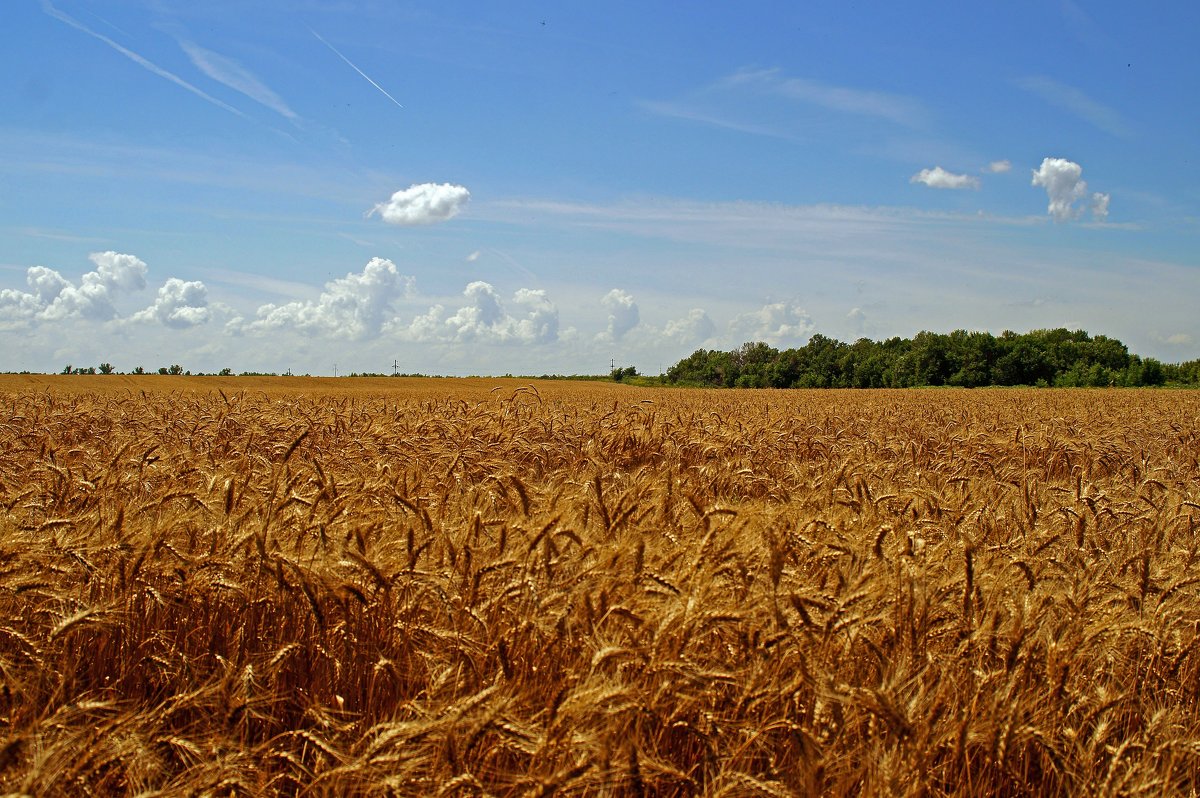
1058 357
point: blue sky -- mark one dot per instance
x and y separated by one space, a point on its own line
531 187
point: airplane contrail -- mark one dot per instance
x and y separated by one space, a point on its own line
49 8
352 66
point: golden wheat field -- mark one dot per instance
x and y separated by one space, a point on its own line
243 586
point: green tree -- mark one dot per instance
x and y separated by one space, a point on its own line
106 368
619 373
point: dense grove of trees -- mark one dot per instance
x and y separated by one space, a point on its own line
1057 357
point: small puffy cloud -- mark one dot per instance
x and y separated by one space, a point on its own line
179 304
485 319
693 328
1065 186
52 297
857 320
423 203
357 305
474 256
998 167
623 314
937 177
775 323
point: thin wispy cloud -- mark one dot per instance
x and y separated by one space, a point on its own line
743 100
235 76
679 111
49 8
355 68
1074 101
863 102
1083 27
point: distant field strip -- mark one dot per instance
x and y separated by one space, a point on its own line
493 587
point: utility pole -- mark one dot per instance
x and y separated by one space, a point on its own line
395 367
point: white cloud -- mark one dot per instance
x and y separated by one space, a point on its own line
21 305
482 312
998 167
623 314
235 76
356 306
1065 186
540 324
484 319
46 283
937 177
693 328
423 203
775 323
474 256
179 304
53 298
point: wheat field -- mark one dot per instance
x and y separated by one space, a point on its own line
214 587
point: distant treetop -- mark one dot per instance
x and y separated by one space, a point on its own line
1058 357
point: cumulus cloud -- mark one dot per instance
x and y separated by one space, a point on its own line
937 177
52 297
357 305
1065 188
540 324
423 203
775 323
485 319
623 314
179 304
693 328
998 167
